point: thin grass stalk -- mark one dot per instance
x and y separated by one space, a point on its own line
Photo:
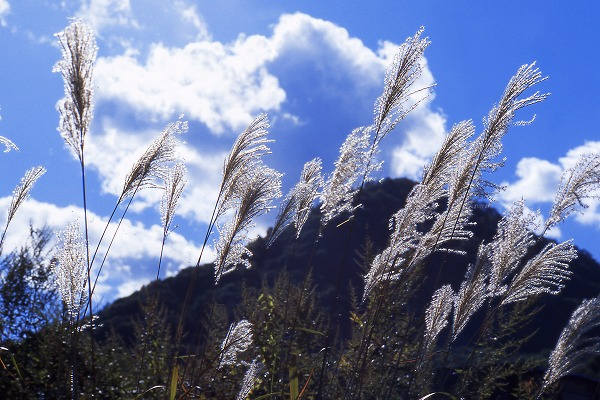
153 307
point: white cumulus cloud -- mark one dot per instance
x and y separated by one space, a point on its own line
135 243
223 86
538 180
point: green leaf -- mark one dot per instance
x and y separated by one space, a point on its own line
173 387
293 382
314 332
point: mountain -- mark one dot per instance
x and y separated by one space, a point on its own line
324 255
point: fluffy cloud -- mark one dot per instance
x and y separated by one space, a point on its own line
4 9
537 182
224 85
134 243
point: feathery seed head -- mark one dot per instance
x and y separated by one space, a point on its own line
513 239
8 145
386 266
577 184
400 76
247 150
574 344
22 191
352 163
153 164
174 185
76 67
238 340
436 315
70 268
254 370
297 203
472 293
544 273
257 190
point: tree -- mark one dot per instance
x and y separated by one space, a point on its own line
28 298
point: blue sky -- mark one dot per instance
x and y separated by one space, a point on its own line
315 67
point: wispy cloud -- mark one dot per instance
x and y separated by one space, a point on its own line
4 10
103 14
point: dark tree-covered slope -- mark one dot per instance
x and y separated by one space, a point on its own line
337 250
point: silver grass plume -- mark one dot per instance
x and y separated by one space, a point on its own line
254 370
480 156
384 267
353 162
70 268
174 184
8 144
153 164
247 150
544 273
76 67
258 188
436 173
297 204
577 184
509 246
420 206
23 190
439 178
573 344
391 107
238 340
357 153
489 144
21 193
472 293
436 315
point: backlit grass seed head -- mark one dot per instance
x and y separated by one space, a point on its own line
20 194
489 144
577 184
174 186
79 51
70 268
254 370
23 190
574 344
8 145
352 163
257 189
391 107
238 340
546 272
248 149
509 247
473 292
436 315
154 163
297 204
